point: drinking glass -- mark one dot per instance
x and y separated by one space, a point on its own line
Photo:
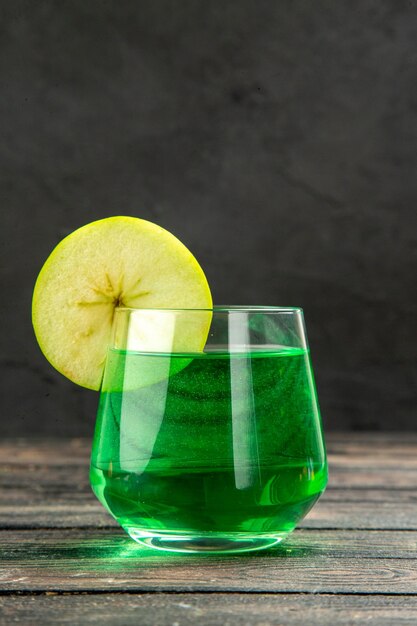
208 434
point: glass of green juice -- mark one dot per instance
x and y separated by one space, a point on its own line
212 444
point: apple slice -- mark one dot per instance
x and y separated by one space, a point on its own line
114 262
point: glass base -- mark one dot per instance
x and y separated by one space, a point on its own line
213 543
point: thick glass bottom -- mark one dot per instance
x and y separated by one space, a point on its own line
211 543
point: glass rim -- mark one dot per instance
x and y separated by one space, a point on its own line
219 309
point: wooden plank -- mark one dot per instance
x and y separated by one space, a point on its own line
337 543
362 514
391 447
301 575
209 610
371 460
359 494
45 484
88 513
364 437
45 451
55 516
65 464
23 487
377 476
74 479
67 474
76 452
335 563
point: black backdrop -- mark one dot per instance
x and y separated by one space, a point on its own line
277 140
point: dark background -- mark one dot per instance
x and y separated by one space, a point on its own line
277 140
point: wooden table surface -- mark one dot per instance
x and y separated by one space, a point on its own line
352 561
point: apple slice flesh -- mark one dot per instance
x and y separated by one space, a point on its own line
114 262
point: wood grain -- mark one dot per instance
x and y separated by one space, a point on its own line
44 484
307 563
41 503
353 559
218 609
326 515
376 544
391 447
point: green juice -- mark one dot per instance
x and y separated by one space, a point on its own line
215 449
